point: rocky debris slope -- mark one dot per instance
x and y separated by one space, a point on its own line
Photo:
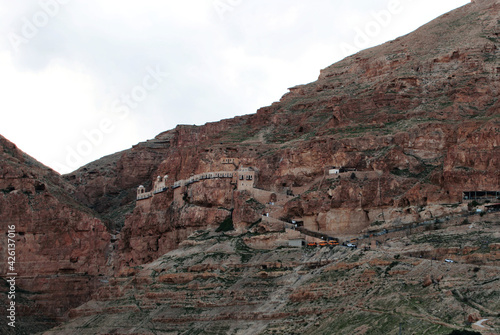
417 118
216 284
61 247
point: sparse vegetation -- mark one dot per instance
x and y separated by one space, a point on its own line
464 332
423 115
226 225
8 190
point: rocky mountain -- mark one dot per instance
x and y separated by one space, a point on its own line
380 148
62 248
416 117
216 284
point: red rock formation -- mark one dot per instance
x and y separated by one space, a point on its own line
61 248
416 119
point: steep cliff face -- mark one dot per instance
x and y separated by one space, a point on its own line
156 228
417 118
61 247
415 122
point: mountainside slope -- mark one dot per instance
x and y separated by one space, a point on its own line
414 122
61 247
425 100
417 117
215 284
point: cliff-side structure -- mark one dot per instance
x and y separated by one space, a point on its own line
243 178
416 122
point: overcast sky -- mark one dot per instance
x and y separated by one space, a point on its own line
83 79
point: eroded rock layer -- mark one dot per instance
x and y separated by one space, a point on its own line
215 284
61 247
412 124
416 119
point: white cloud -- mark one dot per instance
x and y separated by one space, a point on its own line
49 109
